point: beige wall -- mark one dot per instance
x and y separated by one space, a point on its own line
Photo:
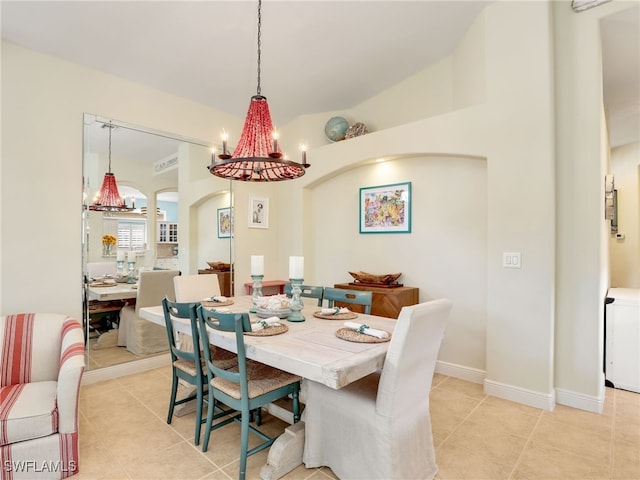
43 101
625 252
500 107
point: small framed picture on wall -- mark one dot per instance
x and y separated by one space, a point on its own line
225 225
258 212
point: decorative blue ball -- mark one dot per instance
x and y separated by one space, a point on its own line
336 128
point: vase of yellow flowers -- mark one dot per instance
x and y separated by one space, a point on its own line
108 242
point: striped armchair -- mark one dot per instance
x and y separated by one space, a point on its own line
41 366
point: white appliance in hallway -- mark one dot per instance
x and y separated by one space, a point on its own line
622 338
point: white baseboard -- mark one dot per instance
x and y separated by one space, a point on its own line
459 371
589 403
545 401
127 368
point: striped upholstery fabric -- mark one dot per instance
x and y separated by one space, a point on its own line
41 366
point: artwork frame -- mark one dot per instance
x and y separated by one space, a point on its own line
225 222
258 212
385 208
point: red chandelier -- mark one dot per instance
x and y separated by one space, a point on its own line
257 156
108 199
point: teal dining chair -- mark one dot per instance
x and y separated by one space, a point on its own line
244 389
187 362
307 291
342 295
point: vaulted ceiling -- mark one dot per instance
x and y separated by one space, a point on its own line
316 55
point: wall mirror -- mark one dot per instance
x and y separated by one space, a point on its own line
162 228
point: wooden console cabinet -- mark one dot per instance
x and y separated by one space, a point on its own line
386 302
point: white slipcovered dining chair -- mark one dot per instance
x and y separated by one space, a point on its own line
141 336
379 427
194 288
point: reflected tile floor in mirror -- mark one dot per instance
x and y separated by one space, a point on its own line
124 435
100 357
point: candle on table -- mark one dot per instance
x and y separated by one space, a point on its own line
131 257
120 256
257 265
296 267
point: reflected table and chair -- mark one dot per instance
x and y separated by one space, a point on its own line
310 349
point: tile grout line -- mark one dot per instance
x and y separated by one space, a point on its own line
482 400
184 439
526 444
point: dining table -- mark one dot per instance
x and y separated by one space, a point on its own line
314 349
114 291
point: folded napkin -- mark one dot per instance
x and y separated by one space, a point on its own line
334 310
215 298
264 323
364 328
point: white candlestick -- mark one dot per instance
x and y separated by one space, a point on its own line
257 265
120 256
296 267
131 257
224 142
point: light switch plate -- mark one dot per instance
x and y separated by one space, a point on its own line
512 260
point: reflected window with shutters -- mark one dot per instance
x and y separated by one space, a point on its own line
132 235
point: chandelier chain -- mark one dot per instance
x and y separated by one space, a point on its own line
259 41
110 129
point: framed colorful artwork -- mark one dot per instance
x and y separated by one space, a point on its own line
225 222
386 208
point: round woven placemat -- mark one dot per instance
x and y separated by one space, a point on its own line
270 330
352 336
335 316
205 303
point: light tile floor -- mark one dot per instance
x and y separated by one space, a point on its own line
124 435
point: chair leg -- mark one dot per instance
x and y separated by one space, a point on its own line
296 405
258 414
244 444
210 409
199 396
172 401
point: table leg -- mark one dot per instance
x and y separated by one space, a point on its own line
285 454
